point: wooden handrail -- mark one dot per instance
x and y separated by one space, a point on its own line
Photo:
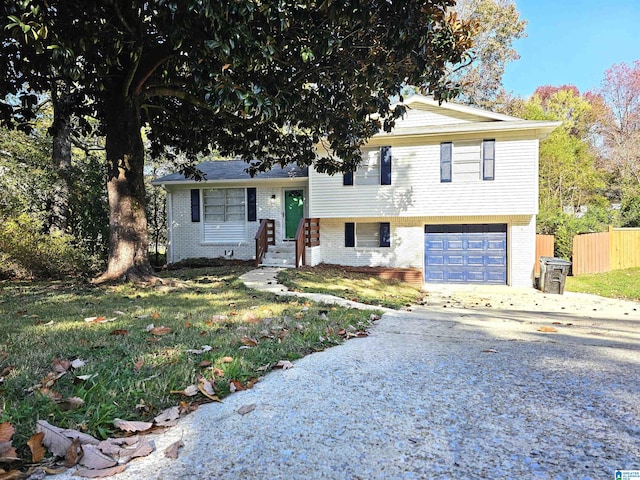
307 235
265 236
312 232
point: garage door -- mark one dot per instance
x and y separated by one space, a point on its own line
465 253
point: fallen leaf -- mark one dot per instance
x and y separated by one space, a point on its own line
107 472
226 359
36 447
118 312
205 363
53 438
71 403
138 365
190 391
7 370
61 365
249 341
131 426
284 364
142 449
206 388
546 329
156 315
51 378
77 363
235 386
168 415
98 320
159 331
73 454
172 450
120 331
250 317
489 350
203 349
83 438
47 392
246 409
93 458
6 432
86 377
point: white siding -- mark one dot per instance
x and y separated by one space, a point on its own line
416 189
425 115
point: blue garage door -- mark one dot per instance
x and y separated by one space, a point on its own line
465 253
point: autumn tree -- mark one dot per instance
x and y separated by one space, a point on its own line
499 26
265 81
619 122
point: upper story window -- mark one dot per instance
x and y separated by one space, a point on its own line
467 161
375 168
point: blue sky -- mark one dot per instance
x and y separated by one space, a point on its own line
573 42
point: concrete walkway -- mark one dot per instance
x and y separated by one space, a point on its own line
265 280
467 391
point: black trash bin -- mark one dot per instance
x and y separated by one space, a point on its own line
553 273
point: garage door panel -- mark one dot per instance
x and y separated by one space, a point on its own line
466 253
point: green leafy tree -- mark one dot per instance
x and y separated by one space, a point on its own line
568 175
499 26
261 80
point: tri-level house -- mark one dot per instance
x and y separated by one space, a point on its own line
452 191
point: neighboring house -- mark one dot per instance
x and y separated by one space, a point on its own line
452 190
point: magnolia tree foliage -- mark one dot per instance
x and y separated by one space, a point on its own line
263 80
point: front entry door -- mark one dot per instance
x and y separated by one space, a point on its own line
293 211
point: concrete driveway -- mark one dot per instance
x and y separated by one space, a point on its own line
476 384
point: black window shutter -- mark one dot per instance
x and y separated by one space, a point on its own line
347 178
385 165
488 159
349 234
195 205
252 211
385 234
445 161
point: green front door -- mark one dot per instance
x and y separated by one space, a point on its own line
293 211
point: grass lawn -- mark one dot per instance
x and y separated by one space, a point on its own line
131 370
614 284
359 287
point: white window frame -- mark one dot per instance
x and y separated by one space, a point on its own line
367 234
368 172
224 229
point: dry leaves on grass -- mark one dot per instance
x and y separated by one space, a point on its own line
132 426
7 451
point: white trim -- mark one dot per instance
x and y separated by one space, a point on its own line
540 128
170 249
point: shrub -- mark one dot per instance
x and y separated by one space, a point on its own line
27 252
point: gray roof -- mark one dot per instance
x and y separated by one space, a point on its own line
236 170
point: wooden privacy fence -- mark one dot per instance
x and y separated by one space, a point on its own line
544 248
590 253
616 249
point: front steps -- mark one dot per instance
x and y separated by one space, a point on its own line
283 256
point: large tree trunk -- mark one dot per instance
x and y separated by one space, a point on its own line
128 240
58 217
